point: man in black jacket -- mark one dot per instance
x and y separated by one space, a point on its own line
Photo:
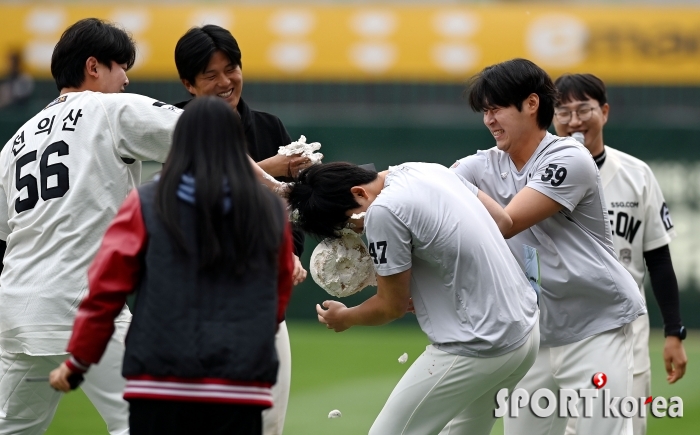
208 61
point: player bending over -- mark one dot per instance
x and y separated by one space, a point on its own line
551 190
437 245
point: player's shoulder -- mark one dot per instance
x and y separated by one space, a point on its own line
479 160
563 150
627 160
110 100
564 145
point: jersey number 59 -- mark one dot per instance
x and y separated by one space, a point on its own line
45 171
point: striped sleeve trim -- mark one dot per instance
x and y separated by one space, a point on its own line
198 392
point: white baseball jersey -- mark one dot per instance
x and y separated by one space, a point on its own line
470 296
63 176
639 218
584 289
639 221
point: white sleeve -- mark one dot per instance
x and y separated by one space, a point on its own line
4 215
658 230
389 241
142 128
468 168
566 175
472 188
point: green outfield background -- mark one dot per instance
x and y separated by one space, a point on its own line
355 371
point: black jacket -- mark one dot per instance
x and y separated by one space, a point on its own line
264 133
193 324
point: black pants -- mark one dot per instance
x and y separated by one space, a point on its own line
165 417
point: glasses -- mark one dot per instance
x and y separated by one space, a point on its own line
583 114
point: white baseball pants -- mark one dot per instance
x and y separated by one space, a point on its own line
572 366
641 382
452 393
27 408
273 418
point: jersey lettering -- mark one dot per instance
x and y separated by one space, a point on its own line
28 181
46 170
373 252
666 217
19 140
556 172
624 225
70 121
45 125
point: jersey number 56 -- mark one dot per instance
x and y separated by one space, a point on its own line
45 171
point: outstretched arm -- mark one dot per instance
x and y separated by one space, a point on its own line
390 303
665 286
499 215
527 208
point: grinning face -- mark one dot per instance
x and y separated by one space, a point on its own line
220 78
508 125
595 116
111 80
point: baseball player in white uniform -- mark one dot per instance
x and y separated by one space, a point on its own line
63 176
434 242
550 188
640 224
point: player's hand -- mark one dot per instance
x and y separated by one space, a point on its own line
357 225
58 378
299 274
333 317
674 359
284 166
297 164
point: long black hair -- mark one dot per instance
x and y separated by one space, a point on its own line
209 145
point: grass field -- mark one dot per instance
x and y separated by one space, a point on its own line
356 370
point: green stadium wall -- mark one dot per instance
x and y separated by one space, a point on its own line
383 124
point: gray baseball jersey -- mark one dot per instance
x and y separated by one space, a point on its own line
63 176
470 296
584 289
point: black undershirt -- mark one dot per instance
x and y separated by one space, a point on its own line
663 278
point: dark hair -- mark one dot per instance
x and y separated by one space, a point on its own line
89 37
508 84
580 87
209 145
321 196
195 48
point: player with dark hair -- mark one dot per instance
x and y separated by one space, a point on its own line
640 224
63 176
550 188
208 252
436 245
208 61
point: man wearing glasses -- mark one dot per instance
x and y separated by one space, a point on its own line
640 223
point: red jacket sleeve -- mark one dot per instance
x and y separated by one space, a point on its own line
113 274
285 271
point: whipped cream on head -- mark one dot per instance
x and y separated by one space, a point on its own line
342 266
303 148
358 215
